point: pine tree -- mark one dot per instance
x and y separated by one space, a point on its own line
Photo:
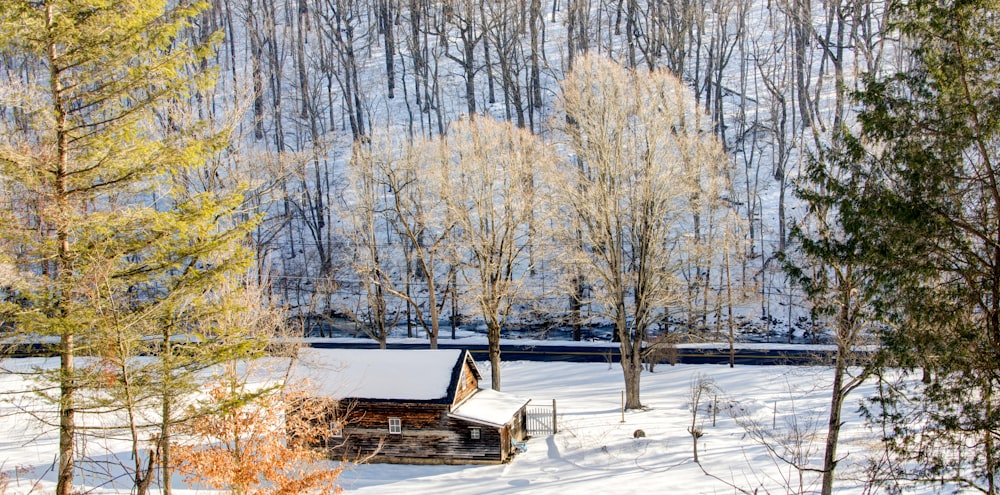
117 255
828 262
927 217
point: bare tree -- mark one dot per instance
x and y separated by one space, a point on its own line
789 438
701 385
415 208
426 41
465 16
577 29
728 28
310 202
536 29
638 137
504 24
254 37
490 190
367 217
800 19
385 13
339 22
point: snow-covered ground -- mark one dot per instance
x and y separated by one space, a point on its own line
595 450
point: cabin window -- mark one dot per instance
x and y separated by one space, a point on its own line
475 433
337 429
395 426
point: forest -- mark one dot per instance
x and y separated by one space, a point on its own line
308 80
674 169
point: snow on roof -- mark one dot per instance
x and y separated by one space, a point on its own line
489 407
399 375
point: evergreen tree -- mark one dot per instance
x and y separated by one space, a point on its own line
828 262
117 256
926 214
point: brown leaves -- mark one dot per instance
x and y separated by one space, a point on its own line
252 444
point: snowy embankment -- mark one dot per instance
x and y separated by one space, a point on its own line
595 450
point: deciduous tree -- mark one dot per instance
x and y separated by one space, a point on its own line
408 172
490 192
251 442
369 234
643 152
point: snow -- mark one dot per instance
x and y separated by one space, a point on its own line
415 375
594 451
487 406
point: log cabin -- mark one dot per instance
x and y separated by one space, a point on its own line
411 406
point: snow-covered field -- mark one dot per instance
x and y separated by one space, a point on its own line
594 450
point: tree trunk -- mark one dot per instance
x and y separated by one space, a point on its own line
493 336
631 354
417 52
67 416
833 427
630 30
534 19
576 304
468 64
67 347
166 403
275 79
571 21
802 29
385 13
300 56
988 437
490 86
256 70
631 363
432 307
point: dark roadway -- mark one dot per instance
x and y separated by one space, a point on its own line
586 353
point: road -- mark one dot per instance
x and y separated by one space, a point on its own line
583 352
589 353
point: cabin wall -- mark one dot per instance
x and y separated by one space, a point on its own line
518 426
429 436
468 384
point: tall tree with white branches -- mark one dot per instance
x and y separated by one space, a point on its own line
644 159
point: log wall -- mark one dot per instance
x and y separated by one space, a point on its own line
428 436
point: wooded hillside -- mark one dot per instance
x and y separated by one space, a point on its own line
307 81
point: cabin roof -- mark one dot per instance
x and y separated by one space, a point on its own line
489 407
392 375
